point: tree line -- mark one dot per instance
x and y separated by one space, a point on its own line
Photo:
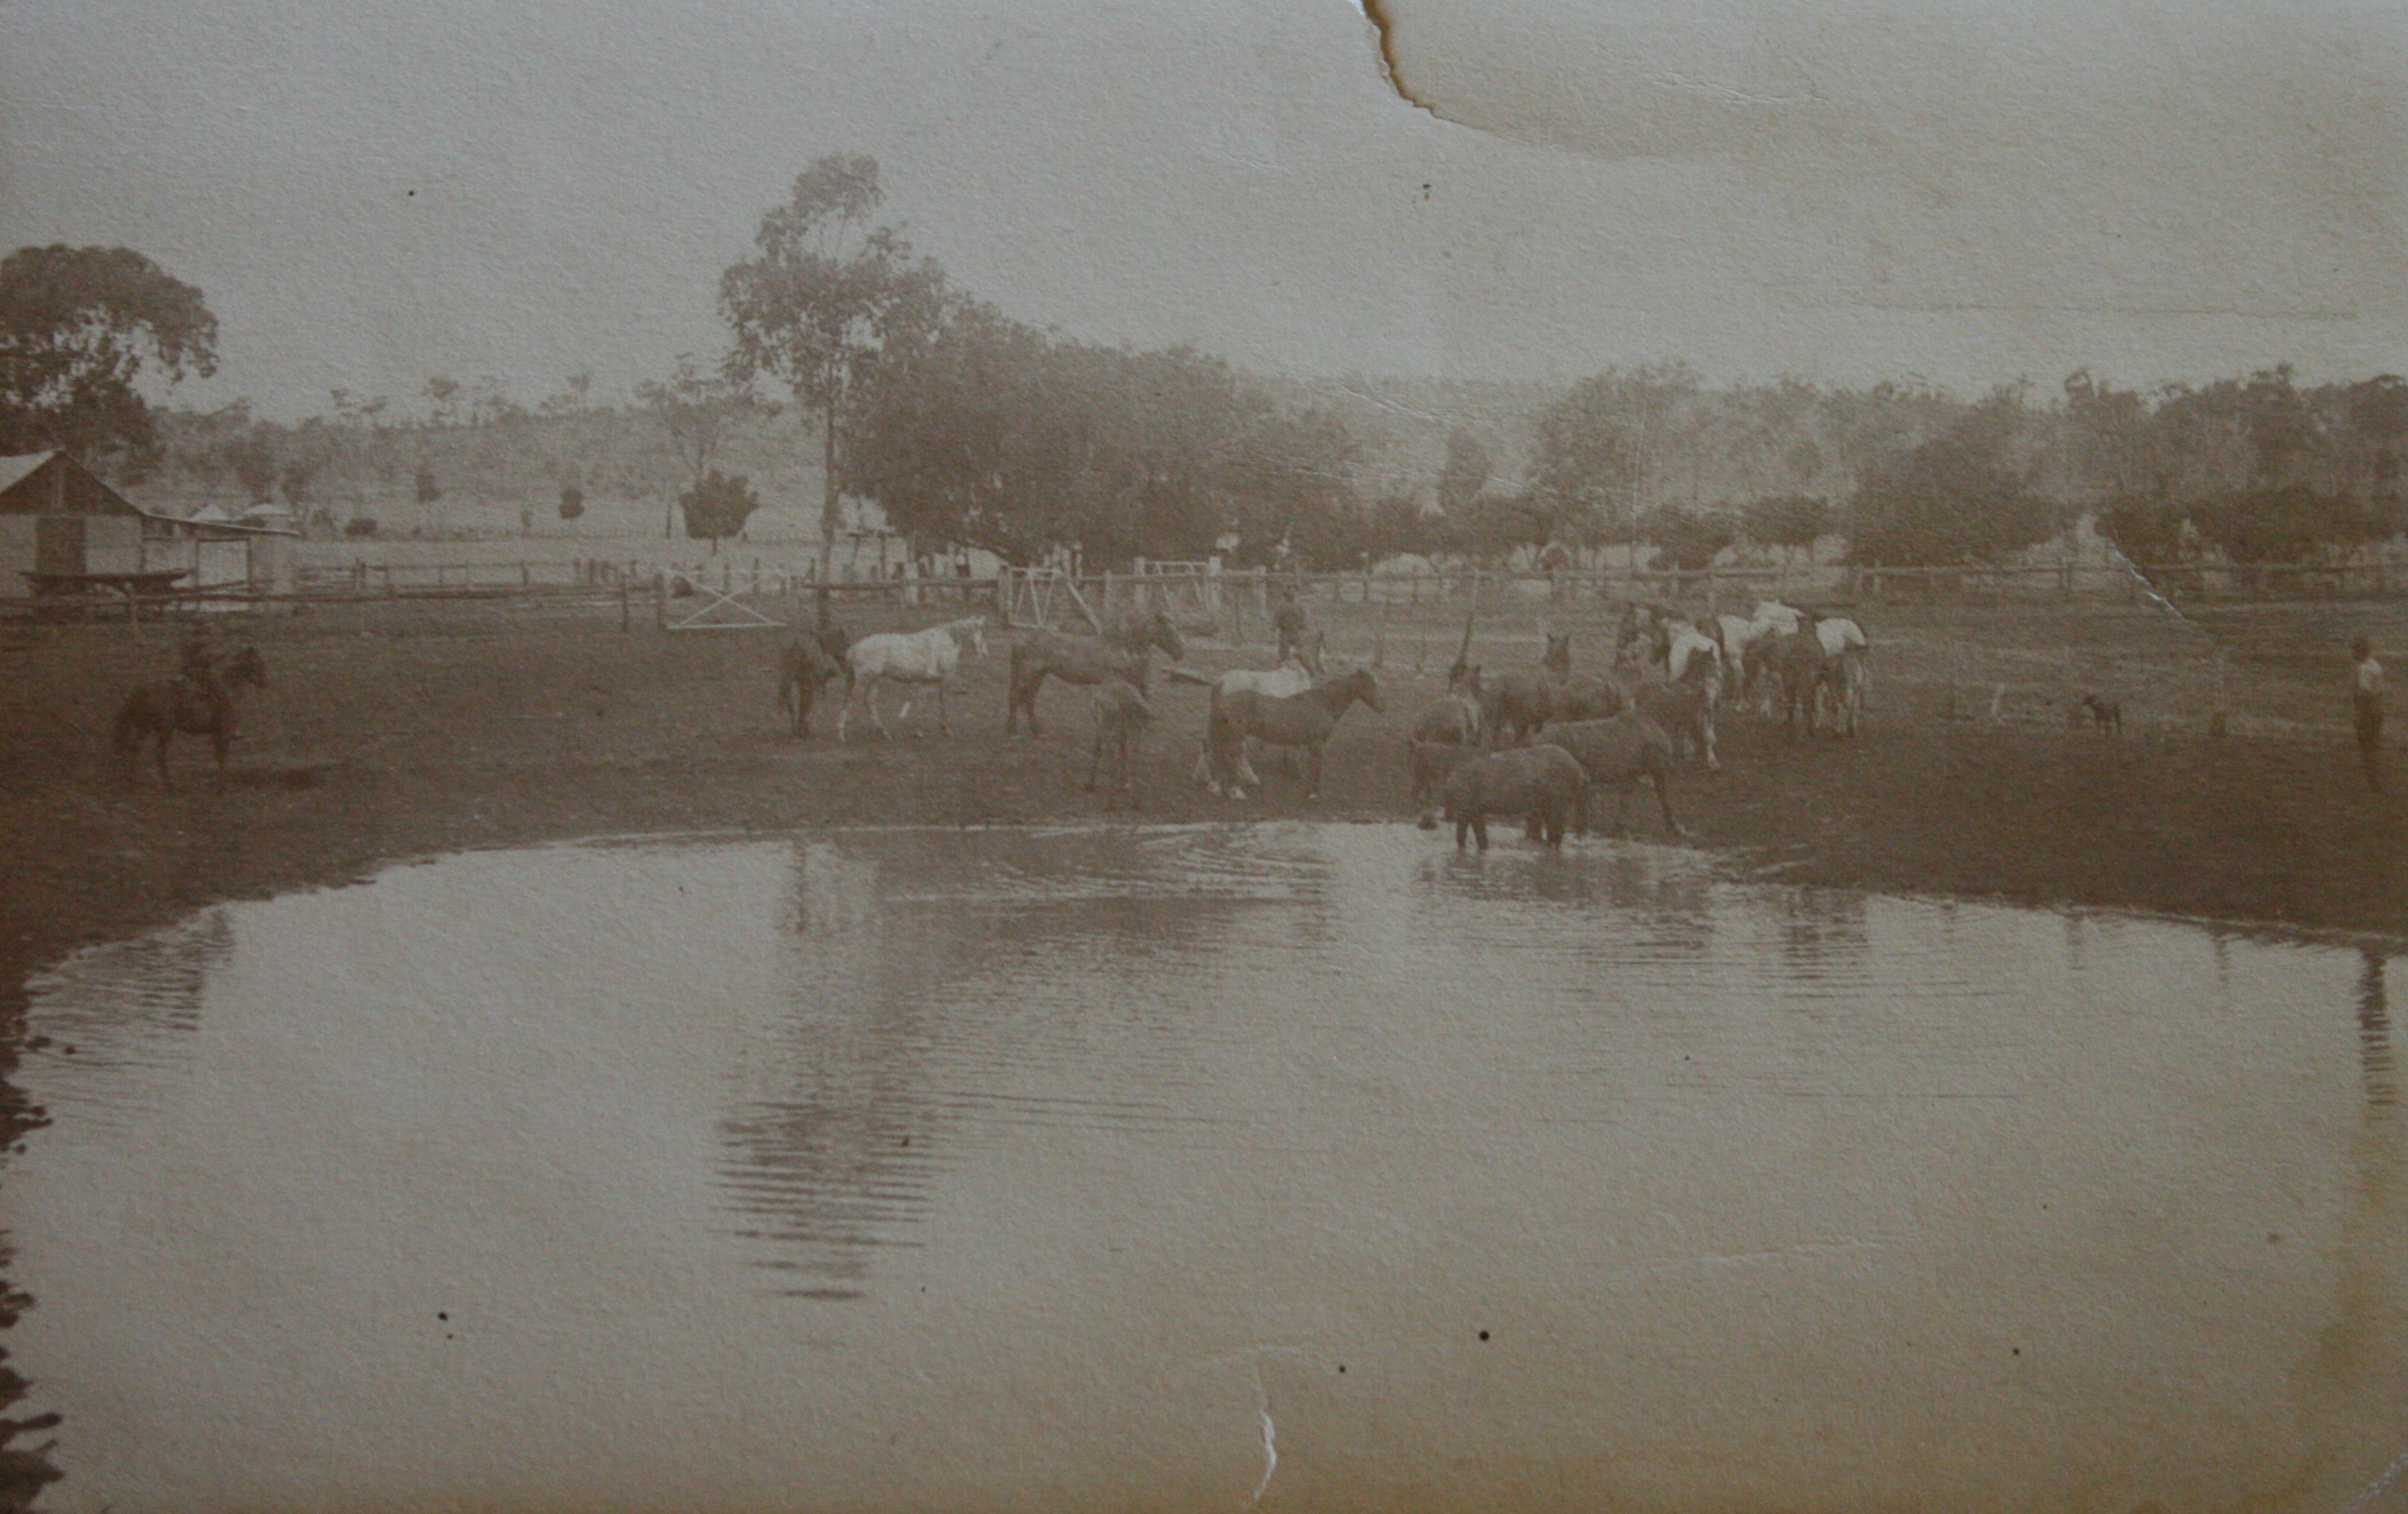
968 427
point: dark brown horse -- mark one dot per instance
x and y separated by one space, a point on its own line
190 706
1619 754
1518 703
1455 718
1121 653
1428 764
1807 672
1577 696
1306 720
1543 783
805 668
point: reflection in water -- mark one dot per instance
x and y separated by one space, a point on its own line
2374 1033
2366 1311
1031 1169
821 1158
910 961
118 1015
1824 935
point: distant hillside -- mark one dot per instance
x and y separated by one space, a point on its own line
1402 425
487 474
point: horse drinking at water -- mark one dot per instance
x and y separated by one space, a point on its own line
910 658
1121 653
1542 782
1620 754
1306 720
202 705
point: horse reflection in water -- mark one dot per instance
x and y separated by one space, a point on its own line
1824 933
859 1101
2374 1033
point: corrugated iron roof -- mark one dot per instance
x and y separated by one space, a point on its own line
15 470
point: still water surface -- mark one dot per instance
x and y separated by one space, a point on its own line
1183 1167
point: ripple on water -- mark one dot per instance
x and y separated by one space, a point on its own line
805 1137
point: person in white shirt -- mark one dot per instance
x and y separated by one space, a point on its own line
2366 702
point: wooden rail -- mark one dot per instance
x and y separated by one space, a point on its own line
1235 598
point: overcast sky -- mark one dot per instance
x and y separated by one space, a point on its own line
373 192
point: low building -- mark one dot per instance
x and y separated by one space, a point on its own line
58 522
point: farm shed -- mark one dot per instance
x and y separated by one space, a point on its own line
57 517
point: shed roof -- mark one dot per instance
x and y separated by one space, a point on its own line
15 470
80 491
73 489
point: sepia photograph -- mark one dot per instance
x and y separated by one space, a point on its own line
1028 757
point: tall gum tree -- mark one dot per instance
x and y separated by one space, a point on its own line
825 297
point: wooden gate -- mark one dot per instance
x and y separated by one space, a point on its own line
1029 597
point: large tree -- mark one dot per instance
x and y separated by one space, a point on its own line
994 433
827 295
1604 449
77 325
1964 495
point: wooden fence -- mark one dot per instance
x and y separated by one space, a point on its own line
1233 600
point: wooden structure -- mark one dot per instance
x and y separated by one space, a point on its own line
65 535
1032 596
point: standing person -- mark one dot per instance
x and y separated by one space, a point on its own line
2366 702
1289 620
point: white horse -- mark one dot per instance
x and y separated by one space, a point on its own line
1682 643
1739 635
1290 677
910 658
1840 637
1780 617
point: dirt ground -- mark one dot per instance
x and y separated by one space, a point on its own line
398 731
408 731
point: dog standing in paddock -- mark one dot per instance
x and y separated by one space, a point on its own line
2107 713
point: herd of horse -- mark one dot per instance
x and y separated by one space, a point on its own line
1533 741
1483 748
1629 724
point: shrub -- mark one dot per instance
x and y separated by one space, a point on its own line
718 507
